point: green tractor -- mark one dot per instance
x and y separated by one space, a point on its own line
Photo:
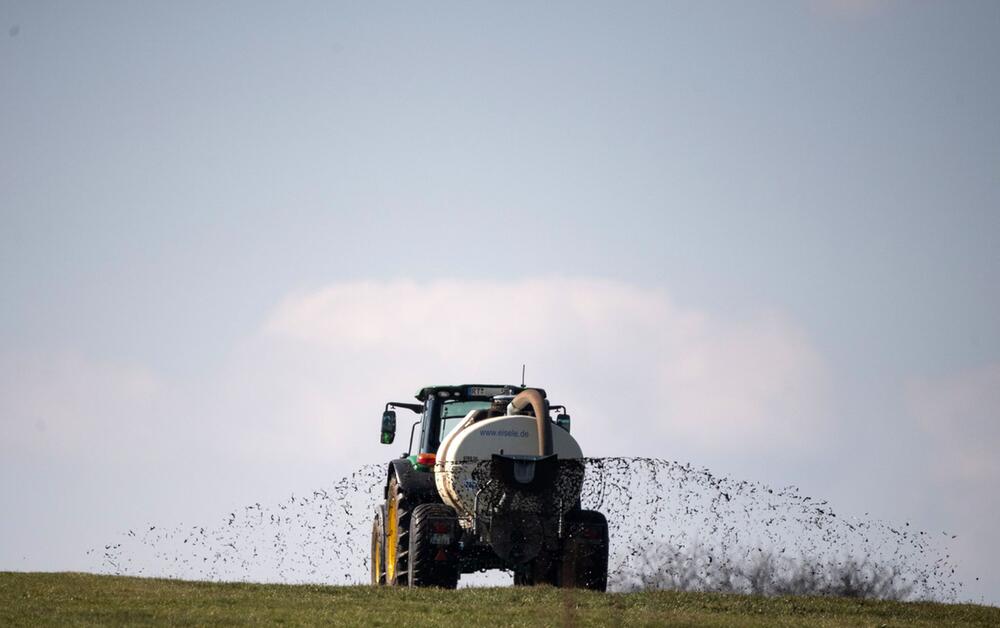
495 483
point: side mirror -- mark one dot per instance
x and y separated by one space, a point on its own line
388 427
562 420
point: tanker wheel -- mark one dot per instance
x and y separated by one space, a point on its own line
397 536
378 548
432 564
584 562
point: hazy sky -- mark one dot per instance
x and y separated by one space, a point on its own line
229 232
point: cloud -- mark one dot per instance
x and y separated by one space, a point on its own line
638 369
641 374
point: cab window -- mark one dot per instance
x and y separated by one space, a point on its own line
453 412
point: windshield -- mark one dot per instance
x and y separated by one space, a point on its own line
454 411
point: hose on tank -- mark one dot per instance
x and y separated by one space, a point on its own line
532 397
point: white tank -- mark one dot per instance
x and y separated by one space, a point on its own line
472 442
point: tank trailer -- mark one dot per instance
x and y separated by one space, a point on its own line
495 483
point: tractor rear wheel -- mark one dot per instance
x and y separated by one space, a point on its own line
378 548
584 562
433 559
397 535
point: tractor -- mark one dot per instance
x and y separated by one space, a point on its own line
494 483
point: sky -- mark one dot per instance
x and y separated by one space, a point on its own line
759 237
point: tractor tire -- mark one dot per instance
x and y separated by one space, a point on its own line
584 563
432 564
397 535
378 548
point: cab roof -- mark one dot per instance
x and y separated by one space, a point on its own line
472 391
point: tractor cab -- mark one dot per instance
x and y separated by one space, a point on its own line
440 410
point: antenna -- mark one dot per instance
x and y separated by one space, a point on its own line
522 376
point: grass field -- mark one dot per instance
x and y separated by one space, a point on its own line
68 599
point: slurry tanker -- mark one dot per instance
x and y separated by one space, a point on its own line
494 483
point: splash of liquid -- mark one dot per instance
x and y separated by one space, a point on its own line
671 525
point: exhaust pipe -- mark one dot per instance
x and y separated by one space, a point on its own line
533 398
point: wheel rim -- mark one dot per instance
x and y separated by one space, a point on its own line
390 541
377 553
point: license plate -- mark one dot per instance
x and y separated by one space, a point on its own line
485 391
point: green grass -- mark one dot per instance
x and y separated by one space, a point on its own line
68 599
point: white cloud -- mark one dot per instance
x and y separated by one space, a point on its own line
620 356
641 375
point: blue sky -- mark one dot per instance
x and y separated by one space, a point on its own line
797 202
